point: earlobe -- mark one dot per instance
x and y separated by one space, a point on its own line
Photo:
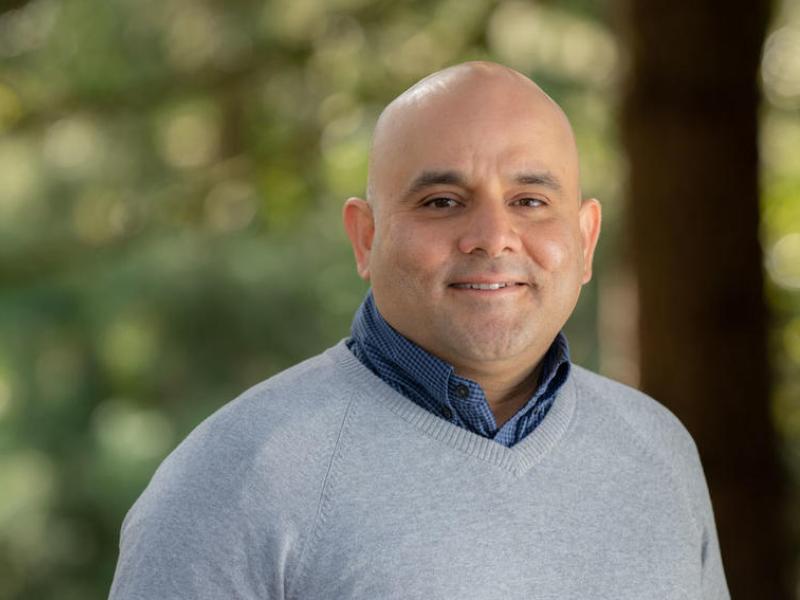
359 224
590 216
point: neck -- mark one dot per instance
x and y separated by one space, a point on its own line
506 391
507 383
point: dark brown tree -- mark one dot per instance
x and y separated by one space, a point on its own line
689 126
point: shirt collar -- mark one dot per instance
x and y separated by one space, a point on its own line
418 367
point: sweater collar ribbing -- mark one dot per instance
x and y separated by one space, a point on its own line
518 459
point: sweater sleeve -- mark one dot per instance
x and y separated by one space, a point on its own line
688 469
193 534
664 434
226 513
714 584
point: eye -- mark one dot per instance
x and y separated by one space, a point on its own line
530 202
441 202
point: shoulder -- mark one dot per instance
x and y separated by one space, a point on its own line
638 421
286 413
635 414
308 396
270 445
232 507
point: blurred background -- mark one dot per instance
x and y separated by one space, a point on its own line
171 177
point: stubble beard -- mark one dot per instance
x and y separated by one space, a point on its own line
483 339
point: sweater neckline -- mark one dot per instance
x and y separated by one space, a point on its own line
518 459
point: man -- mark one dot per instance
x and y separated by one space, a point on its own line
448 449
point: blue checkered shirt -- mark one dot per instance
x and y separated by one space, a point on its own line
432 383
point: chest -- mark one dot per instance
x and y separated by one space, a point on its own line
454 528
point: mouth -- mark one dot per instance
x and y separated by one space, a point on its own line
499 285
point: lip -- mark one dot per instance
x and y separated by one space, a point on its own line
511 279
510 285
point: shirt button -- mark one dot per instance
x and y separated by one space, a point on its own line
447 413
462 391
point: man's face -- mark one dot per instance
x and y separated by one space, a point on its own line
479 244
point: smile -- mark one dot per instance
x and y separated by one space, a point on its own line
484 286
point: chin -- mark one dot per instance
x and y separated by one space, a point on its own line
489 344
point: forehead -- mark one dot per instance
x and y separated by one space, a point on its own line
477 135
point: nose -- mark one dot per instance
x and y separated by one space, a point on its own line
490 230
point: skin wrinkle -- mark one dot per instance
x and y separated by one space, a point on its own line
485 140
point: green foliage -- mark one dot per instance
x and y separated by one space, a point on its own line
171 176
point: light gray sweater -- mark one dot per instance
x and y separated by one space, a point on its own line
322 482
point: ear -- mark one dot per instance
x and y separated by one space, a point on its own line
589 216
360 226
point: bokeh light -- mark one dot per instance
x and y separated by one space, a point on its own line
171 177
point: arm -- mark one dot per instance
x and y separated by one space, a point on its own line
714 585
199 531
226 514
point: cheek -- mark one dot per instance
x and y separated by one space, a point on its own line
415 251
555 248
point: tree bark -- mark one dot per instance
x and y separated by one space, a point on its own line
689 126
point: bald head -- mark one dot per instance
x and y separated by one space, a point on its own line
451 101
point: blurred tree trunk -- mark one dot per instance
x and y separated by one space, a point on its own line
689 125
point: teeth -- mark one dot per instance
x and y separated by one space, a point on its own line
481 286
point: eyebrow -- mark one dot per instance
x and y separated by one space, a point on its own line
544 178
432 178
